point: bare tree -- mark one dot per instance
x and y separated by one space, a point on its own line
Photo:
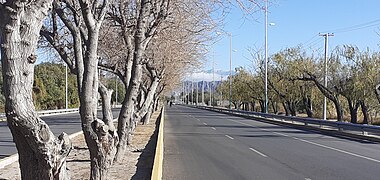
75 36
41 154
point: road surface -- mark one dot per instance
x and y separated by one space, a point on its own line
205 145
68 123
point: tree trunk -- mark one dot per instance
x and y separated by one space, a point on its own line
353 107
262 106
41 154
147 102
274 107
146 118
308 106
365 112
377 92
108 138
125 118
286 108
339 110
292 108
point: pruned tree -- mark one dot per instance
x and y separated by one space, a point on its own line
41 154
73 31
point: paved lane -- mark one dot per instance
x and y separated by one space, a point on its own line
68 123
200 144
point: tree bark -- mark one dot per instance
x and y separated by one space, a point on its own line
353 107
365 112
41 154
286 108
262 106
148 99
308 104
377 92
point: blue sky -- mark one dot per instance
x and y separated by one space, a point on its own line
299 22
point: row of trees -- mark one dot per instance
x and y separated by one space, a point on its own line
147 44
295 83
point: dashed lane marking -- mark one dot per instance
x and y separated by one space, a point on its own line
229 137
258 152
313 143
213 128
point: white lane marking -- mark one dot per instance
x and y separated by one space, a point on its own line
213 128
199 120
307 179
205 124
338 150
258 152
229 136
313 143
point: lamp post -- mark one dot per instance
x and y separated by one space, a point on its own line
116 91
266 56
66 88
230 36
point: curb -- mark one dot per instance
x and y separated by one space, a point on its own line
14 157
159 154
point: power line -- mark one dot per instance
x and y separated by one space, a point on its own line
356 27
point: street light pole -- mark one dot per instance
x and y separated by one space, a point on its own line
325 72
230 34
266 56
213 81
66 88
116 90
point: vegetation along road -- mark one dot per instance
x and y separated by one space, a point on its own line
200 144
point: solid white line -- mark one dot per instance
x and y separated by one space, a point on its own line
205 124
313 143
213 128
258 152
229 136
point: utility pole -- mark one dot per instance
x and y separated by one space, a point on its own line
266 56
116 93
192 92
66 88
230 105
209 87
213 81
197 93
203 92
326 35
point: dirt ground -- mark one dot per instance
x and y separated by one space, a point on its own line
137 163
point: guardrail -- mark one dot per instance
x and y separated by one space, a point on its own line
46 112
159 154
362 129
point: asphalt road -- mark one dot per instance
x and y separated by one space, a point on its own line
68 123
205 145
